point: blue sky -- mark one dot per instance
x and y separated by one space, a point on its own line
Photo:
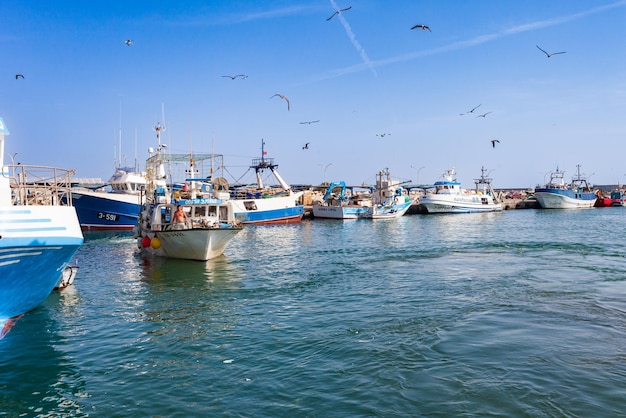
362 74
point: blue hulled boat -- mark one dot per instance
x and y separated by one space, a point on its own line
261 204
38 234
115 207
559 195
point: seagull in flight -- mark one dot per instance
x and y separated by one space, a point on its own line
128 42
483 115
306 146
422 27
470 111
493 142
309 122
339 11
284 98
232 77
550 54
18 76
382 135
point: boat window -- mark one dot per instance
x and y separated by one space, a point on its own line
224 213
250 205
166 214
199 211
212 210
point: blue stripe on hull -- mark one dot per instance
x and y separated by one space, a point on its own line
95 212
568 193
29 273
283 215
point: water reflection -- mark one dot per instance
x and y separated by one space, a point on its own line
37 374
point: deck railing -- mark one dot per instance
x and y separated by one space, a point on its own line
40 185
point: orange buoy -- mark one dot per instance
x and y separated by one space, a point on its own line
155 243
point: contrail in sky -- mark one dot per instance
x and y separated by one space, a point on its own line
353 39
478 40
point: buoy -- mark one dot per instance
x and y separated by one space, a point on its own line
145 243
155 243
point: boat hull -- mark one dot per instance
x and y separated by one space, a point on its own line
339 212
388 212
191 244
436 204
272 210
564 199
36 244
104 211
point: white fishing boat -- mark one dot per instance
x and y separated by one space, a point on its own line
389 199
341 205
209 222
449 197
39 234
559 195
261 204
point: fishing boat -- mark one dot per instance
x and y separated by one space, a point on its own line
260 204
208 223
559 195
341 205
602 201
39 234
113 206
617 198
389 199
449 197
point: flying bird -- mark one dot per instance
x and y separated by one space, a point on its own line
382 135
339 11
422 27
128 42
284 98
306 146
493 142
550 54
483 115
470 111
232 77
309 122
18 76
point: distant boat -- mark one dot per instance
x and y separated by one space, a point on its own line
115 209
559 195
389 199
260 204
617 198
341 205
38 234
210 222
602 201
449 197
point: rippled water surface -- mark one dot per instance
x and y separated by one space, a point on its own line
521 313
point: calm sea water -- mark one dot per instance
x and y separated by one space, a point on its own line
521 313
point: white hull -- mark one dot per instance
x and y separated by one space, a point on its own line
117 197
192 244
559 201
388 212
458 204
278 209
339 212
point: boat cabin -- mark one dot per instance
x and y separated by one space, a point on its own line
200 214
